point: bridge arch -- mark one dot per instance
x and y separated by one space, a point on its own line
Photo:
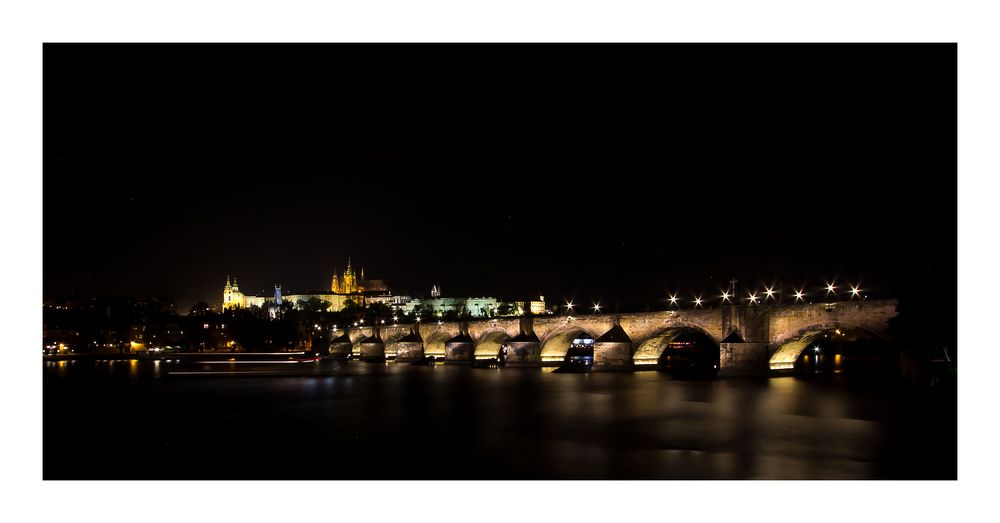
649 348
790 345
488 344
434 344
557 342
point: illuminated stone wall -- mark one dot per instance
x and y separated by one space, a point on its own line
340 349
523 354
612 355
372 350
409 351
459 351
743 359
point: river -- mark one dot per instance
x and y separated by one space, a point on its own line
132 419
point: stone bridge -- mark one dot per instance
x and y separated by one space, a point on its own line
751 339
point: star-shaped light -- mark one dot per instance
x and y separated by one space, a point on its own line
753 297
673 299
769 291
799 295
725 296
697 301
830 288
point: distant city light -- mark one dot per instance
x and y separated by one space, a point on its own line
769 291
673 299
855 291
799 295
753 297
597 307
725 296
830 288
816 348
697 301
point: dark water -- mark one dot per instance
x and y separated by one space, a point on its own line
131 420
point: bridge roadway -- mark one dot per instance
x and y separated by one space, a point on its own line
751 339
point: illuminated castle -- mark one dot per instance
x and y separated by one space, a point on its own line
345 286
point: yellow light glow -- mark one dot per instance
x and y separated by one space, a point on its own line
855 291
769 291
753 297
830 287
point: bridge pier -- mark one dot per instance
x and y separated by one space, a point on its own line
613 350
410 348
341 346
459 350
743 359
523 350
372 348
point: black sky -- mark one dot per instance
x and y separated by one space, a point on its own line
595 171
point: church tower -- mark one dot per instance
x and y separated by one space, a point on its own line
232 298
350 284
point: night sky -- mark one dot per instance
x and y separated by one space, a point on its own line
586 171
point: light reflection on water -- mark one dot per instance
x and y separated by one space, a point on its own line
394 421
